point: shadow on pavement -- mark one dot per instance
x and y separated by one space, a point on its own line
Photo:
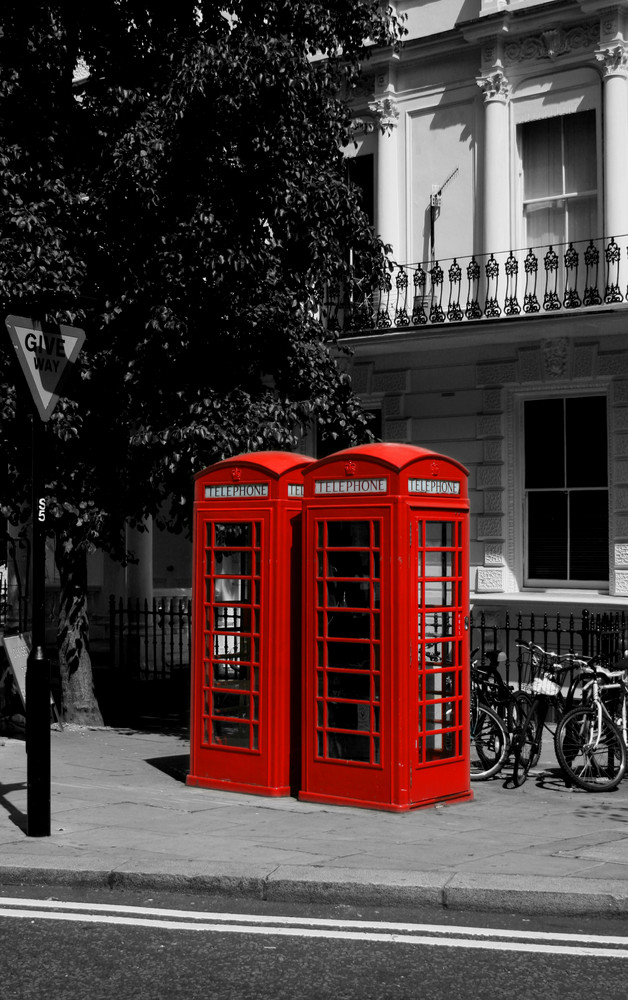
175 766
15 815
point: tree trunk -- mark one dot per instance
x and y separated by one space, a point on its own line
77 682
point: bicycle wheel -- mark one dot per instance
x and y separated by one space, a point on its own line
489 743
591 752
527 743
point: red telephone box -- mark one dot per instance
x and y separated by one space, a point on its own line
246 633
386 606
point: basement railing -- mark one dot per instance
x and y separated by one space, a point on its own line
542 280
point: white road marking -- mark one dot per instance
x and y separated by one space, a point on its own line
497 939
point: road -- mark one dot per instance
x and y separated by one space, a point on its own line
103 946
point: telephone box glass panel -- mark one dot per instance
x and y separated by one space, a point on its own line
348 603
232 628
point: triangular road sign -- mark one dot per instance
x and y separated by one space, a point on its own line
46 354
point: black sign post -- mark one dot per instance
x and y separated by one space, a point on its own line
46 354
38 664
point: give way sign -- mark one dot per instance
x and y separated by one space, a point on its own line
46 354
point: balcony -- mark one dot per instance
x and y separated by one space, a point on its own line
543 280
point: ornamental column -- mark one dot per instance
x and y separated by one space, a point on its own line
386 174
496 188
613 61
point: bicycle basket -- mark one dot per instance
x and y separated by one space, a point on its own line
545 684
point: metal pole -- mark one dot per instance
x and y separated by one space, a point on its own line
38 665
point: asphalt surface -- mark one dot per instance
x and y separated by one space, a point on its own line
122 816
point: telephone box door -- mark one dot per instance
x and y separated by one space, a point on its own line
234 634
439 728
348 629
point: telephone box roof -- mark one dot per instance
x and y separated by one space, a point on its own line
275 463
396 456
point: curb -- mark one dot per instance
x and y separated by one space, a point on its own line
519 894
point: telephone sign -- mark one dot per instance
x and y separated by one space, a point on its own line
45 354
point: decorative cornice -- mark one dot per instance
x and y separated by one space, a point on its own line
552 43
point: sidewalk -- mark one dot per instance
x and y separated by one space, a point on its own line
122 816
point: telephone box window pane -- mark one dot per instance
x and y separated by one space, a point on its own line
438 534
352 686
342 716
440 595
547 536
348 534
347 746
348 595
233 563
440 747
439 685
442 715
439 563
232 705
349 564
232 647
544 444
232 619
349 655
226 675
232 534
349 624
588 521
232 734
227 589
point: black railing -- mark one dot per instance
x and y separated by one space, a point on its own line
151 640
588 634
518 283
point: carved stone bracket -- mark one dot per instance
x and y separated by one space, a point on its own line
555 357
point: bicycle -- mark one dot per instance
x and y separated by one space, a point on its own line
496 710
489 741
588 746
510 704
614 693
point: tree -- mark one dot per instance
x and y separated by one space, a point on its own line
187 205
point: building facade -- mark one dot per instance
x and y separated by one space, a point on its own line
495 143
491 151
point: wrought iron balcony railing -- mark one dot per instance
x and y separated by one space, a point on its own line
541 280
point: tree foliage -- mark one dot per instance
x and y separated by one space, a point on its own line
187 205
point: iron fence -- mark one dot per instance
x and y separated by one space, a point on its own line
516 283
151 639
589 634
